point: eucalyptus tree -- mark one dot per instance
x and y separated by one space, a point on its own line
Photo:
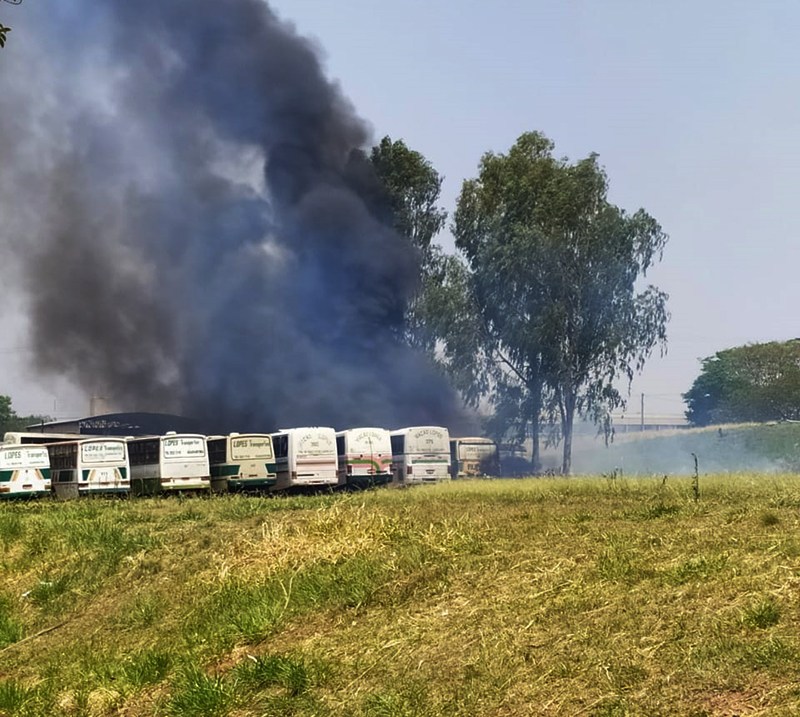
554 274
412 187
410 203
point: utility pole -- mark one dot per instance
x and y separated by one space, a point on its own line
641 423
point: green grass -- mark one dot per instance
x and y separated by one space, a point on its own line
552 596
10 627
197 694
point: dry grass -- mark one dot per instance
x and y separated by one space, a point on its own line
540 597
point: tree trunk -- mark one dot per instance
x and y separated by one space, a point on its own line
567 421
535 388
536 461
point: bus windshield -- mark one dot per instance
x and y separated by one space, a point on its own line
251 447
369 441
316 443
476 451
428 440
103 452
183 447
24 457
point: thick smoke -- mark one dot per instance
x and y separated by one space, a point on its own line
199 232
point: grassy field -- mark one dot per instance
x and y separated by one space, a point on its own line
529 597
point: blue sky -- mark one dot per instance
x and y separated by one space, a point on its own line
691 106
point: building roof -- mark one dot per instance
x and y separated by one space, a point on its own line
120 424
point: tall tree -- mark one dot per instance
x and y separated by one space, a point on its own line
554 268
755 382
8 416
412 188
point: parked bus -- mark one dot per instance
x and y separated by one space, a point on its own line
305 457
172 462
472 457
421 454
24 471
365 457
92 465
241 462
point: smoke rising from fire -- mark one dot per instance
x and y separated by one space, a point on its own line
198 232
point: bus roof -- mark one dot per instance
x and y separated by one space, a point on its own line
161 437
361 428
401 431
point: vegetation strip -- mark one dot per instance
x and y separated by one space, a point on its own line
593 596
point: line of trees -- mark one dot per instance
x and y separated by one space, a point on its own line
755 382
11 421
542 314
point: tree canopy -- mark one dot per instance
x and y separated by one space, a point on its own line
412 189
11 421
553 319
410 203
755 382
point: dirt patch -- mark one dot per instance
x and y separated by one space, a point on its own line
732 703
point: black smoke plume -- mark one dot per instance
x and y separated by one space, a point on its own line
198 232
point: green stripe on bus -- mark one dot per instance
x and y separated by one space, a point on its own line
224 470
241 483
5 476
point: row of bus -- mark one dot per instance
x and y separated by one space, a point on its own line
33 464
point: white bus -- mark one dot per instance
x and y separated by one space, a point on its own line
421 454
93 465
365 457
305 457
241 461
472 457
24 471
172 462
